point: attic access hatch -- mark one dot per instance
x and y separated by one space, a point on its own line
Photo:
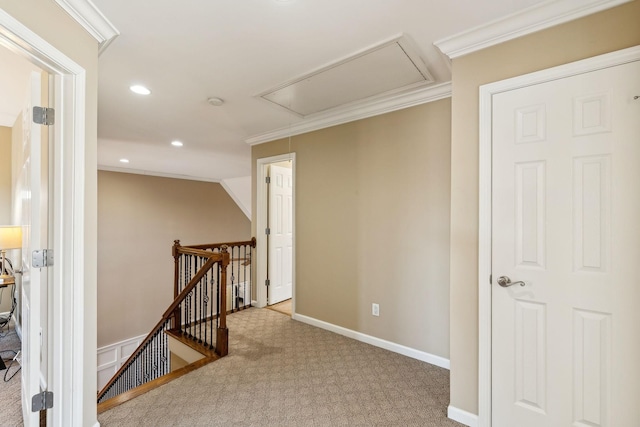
386 68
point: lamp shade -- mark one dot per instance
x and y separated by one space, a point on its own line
10 237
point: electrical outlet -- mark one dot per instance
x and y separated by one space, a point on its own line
375 309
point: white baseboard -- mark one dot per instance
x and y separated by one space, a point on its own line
378 342
255 303
461 416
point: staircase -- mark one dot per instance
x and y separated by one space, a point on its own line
210 281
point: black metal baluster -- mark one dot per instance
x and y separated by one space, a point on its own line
218 293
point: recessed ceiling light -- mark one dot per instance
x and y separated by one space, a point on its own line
124 160
177 143
140 90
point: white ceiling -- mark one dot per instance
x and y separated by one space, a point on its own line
189 51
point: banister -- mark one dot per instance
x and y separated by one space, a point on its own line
236 255
188 250
251 243
223 258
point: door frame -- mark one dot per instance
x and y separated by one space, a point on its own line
262 197
66 291
485 198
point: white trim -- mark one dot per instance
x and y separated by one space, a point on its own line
535 18
261 225
484 247
357 111
119 355
66 333
378 342
463 417
85 13
153 173
235 198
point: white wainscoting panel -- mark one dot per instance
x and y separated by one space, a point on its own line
111 358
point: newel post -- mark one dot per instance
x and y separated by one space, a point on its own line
222 337
177 320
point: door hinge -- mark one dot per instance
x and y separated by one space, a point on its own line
268 180
491 279
44 116
267 282
42 258
42 401
267 231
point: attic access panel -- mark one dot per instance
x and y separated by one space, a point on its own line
388 67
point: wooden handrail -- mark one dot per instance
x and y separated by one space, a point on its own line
223 258
186 250
251 243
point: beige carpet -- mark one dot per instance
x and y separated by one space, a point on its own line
11 410
280 372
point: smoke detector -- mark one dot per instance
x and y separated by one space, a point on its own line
216 102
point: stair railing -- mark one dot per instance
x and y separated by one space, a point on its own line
200 306
239 272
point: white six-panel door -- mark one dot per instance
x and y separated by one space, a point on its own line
565 215
281 234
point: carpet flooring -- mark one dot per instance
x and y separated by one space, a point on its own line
280 372
11 410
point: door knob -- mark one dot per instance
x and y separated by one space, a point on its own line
505 282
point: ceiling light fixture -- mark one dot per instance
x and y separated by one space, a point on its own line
177 143
124 160
216 102
140 90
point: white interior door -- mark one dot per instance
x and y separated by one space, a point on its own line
32 192
280 269
565 208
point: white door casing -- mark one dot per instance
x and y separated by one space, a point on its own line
67 301
280 239
33 220
562 347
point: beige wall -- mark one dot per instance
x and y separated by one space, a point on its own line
139 217
5 176
372 224
5 199
597 34
51 23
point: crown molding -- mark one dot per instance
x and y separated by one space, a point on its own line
91 19
158 174
535 18
357 111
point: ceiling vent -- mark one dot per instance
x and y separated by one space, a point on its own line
386 68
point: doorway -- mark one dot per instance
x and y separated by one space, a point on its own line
66 305
25 188
275 225
559 201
